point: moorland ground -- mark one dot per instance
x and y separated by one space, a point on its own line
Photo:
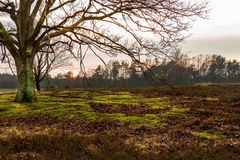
198 122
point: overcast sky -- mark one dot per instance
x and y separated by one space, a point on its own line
220 34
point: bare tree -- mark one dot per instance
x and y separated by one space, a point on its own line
49 60
7 60
44 62
93 23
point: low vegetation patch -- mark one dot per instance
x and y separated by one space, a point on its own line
134 124
206 135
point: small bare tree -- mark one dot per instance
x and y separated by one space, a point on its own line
49 60
93 23
44 62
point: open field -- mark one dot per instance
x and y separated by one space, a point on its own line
200 122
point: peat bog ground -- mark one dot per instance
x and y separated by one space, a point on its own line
198 122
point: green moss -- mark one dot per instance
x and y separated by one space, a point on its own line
141 146
124 99
6 97
83 106
118 102
63 106
68 93
91 116
116 93
175 111
154 100
131 99
15 109
156 103
151 116
158 106
30 50
206 135
63 112
84 94
212 99
114 97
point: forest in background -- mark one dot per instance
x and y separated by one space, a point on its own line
180 71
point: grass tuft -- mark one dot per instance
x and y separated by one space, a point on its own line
207 135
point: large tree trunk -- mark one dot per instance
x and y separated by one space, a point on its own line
26 89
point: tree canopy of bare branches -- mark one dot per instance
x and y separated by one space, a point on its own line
148 27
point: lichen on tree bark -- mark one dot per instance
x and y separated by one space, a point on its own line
26 89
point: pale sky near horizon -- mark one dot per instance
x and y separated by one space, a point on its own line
219 34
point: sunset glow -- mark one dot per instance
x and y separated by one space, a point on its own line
72 74
75 74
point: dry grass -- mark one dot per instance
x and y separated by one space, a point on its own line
200 122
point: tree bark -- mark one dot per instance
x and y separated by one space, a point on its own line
38 85
25 90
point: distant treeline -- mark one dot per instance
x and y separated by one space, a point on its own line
180 71
8 81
